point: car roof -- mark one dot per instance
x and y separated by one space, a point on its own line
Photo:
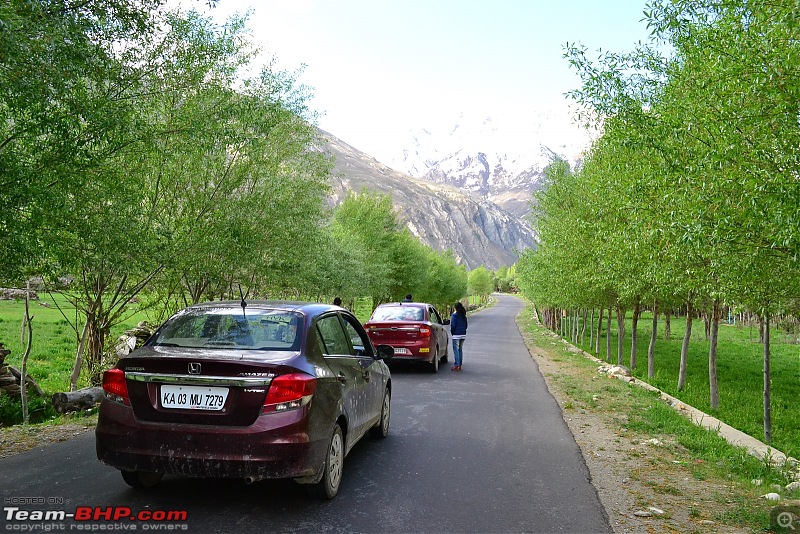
308 308
407 304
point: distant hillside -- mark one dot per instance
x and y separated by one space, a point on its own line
475 229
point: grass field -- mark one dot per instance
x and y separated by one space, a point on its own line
52 351
739 372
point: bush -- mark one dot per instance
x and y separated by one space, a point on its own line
39 408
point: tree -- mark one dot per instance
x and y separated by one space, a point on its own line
64 115
480 282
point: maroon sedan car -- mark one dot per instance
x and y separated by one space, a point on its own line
414 329
249 390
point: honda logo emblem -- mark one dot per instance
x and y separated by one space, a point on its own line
194 368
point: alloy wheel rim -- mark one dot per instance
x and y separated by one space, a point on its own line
386 413
335 461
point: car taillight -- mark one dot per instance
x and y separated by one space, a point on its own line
425 331
289 391
115 386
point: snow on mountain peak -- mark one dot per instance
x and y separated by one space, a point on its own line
518 144
493 156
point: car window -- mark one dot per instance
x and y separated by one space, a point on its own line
231 328
435 318
359 341
397 313
333 336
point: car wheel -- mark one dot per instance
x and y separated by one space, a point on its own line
381 430
328 487
434 365
141 479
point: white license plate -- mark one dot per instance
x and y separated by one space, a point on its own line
193 397
401 350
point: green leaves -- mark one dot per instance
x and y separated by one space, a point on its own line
692 187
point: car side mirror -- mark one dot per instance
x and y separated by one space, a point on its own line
446 322
385 352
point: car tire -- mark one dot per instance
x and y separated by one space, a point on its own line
381 430
446 356
434 364
328 486
141 479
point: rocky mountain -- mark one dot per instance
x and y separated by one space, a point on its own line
474 228
499 161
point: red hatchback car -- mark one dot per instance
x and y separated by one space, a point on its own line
246 390
415 330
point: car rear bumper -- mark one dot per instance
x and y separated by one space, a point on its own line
275 446
426 358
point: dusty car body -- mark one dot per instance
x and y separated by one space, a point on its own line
415 330
264 390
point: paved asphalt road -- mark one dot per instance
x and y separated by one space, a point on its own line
483 450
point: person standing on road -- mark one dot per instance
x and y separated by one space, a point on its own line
458 330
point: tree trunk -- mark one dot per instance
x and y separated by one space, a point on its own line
76 369
73 401
591 328
767 388
651 350
667 326
685 348
712 356
576 325
599 332
620 333
23 384
608 335
95 344
637 309
582 336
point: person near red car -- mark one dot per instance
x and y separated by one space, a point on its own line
458 331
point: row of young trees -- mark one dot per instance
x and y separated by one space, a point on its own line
690 198
143 155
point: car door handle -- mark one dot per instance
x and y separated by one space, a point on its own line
365 374
341 378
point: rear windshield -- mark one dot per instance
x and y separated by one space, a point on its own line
231 328
398 313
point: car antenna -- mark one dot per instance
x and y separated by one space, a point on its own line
244 302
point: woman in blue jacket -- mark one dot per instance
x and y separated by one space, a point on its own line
458 330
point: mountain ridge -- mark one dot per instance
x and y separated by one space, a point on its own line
477 230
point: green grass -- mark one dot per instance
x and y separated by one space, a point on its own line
739 374
53 349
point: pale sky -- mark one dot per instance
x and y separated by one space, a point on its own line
379 69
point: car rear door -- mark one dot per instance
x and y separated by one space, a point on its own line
372 370
352 377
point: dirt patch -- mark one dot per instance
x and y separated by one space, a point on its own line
19 438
